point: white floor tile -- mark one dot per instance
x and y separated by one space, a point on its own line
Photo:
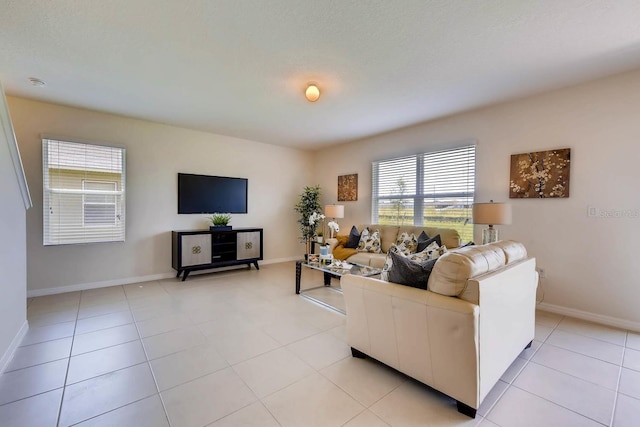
365 380
105 321
244 345
36 411
529 352
297 405
147 412
99 362
163 324
593 330
320 350
254 415
627 412
580 396
548 319
187 365
104 338
366 418
496 392
633 340
172 342
587 368
631 359
542 332
100 309
414 404
513 370
518 408
272 371
630 383
145 289
102 394
288 330
207 399
36 354
588 346
36 321
48 333
31 381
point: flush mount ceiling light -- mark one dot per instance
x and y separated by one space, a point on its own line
36 82
312 93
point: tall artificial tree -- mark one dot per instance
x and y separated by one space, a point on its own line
308 205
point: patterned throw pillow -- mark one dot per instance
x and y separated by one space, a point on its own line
407 243
434 250
388 263
369 242
410 273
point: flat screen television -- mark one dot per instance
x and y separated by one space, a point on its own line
198 194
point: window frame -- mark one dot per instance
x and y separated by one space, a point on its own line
67 166
419 198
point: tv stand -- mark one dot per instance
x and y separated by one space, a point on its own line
206 249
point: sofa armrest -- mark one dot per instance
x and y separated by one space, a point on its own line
430 337
332 244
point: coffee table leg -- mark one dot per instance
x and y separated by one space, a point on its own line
298 274
327 279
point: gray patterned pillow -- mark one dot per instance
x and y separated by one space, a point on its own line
369 242
407 243
410 273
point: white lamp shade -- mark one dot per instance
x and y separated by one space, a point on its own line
492 213
334 211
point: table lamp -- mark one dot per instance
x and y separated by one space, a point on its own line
334 211
491 214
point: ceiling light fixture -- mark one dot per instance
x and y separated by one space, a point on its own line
312 93
36 82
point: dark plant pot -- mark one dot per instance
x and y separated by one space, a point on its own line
220 228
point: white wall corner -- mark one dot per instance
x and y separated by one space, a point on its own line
15 343
12 142
592 317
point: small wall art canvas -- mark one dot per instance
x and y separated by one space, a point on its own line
541 174
348 188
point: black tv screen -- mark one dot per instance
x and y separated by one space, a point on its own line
210 194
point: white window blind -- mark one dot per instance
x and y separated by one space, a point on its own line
433 189
83 192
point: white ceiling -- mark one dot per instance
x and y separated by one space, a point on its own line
239 67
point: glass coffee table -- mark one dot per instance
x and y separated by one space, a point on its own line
328 295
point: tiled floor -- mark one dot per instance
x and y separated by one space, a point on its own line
241 349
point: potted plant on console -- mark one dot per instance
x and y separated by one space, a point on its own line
309 209
220 222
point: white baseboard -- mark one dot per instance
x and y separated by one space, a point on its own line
127 280
15 343
93 285
592 317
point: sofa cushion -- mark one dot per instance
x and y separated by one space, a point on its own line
407 243
353 239
513 251
367 258
369 242
409 273
424 243
453 269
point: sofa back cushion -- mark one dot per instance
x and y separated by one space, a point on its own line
455 268
389 234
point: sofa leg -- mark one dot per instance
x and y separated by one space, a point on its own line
466 409
357 353
528 345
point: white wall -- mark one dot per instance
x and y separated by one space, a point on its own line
155 154
591 263
13 250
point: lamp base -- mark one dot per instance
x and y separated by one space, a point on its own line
489 235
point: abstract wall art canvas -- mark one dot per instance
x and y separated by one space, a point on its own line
541 174
348 188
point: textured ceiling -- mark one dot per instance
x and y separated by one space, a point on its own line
239 67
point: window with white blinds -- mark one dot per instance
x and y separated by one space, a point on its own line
433 189
83 192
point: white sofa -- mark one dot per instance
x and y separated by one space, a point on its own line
459 336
